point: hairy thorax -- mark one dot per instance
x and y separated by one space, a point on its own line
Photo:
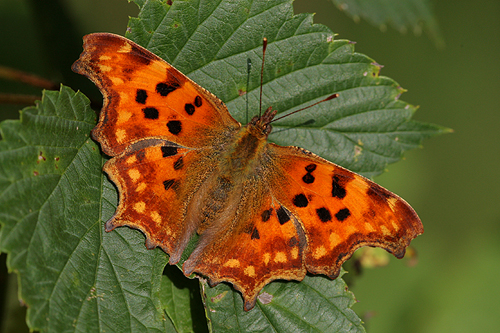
239 165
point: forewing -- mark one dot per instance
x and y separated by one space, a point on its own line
147 98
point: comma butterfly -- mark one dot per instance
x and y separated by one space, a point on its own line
182 165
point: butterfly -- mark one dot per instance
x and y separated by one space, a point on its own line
183 165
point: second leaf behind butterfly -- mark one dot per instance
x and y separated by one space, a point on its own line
182 165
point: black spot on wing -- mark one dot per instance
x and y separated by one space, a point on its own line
311 167
150 113
197 101
282 215
174 126
189 108
141 96
308 178
168 183
164 88
168 151
266 215
255 234
324 214
342 214
338 190
300 200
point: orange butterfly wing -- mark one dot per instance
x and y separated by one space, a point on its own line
340 211
305 214
146 98
161 128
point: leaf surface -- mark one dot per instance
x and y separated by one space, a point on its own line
402 15
316 304
73 276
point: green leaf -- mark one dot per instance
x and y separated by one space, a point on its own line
211 41
72 275
181 300
55 199
317 304
402 15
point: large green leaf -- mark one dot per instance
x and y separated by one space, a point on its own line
403 15
210 41
72 275
317 304
54 198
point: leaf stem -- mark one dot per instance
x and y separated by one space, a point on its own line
31 79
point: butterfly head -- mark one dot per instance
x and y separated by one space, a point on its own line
260 126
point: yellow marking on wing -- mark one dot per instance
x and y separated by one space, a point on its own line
104 58
123 116
392 203
250 271
134 174
369 227
395 226
232 263
280 257
319 252
116 80
104 68
142 186
131 159
384 230
155 216
126 48
351 229
334 240
140 207
266 257
121 135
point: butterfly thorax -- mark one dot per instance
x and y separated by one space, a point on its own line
244 154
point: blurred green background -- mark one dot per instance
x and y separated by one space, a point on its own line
453 183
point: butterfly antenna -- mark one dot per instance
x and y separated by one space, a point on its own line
264 47
249 68
307 107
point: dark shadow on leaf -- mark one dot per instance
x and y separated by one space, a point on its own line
196 305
